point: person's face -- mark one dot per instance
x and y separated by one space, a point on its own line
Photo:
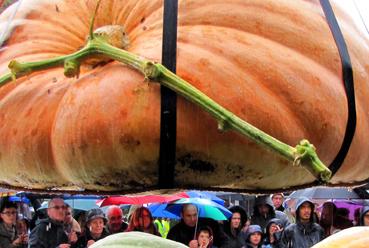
255 238
305 211
235 220
204 238
9 215
277 201
96 226
22 227
115 219
327 212
273 228
68 215
263 209
366 219
56 210
326 217
144 219
189 215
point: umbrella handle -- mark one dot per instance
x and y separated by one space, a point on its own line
197 221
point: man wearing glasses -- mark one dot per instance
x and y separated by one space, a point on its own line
50 231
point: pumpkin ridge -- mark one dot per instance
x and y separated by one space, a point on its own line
51 20
32 152
262 38
271 29
256 87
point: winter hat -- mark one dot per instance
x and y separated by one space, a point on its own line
95 214
253 229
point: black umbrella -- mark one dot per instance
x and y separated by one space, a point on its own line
325 193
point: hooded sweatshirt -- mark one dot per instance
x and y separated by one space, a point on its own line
262 221
277 235
302 235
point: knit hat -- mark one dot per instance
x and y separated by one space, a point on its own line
95 214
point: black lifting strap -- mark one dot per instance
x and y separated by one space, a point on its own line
168 111
348 83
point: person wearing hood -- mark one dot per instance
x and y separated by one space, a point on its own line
305 232
264 212
273 233
232 228
364 217
254 238
95 230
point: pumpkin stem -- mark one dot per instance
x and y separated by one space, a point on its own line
91 33
306 155
303 154
18 69
71 68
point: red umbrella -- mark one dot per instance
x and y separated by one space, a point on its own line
140 199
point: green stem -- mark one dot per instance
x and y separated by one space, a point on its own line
91 33
304 153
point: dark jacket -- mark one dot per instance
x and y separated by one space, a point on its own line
234 238
263 221
83 240
302 235
122 228
47 234
184 234
277 236
363 212
7 237
181 233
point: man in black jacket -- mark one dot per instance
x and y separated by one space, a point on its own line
49 233
185 231
305 232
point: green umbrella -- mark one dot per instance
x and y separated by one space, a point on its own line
206 208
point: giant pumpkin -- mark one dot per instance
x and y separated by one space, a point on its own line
274 63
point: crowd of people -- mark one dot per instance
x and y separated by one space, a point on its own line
268 227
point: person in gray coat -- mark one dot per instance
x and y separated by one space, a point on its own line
264 212
305 232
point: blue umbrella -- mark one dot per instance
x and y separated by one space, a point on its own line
206 208
15 198
158 210
206 195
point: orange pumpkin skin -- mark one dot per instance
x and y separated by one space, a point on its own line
273 63
354 237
